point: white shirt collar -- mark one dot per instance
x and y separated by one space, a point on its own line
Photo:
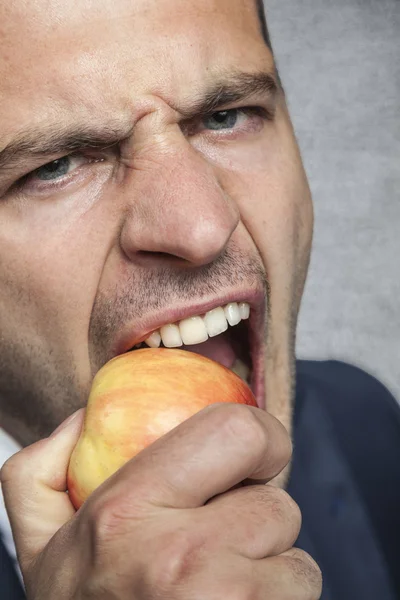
8 447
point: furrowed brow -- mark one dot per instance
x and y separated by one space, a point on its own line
37 143
234 88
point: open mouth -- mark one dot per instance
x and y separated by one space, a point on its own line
226 334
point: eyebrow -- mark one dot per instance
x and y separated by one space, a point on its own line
55 140
36 143
234 88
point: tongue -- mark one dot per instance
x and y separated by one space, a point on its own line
218 348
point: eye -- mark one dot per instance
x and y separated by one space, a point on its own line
224 119
57 174
56 169
232 123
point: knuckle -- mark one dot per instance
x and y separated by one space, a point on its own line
102 515
307 572
23 466
8 470
174 561
242 425
15 468
112 512
109 528
283 506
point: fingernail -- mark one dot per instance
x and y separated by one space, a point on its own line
67 422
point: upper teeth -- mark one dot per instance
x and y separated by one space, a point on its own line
199 328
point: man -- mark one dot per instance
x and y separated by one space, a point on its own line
149 176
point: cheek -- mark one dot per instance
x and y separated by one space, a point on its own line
48 285
270 188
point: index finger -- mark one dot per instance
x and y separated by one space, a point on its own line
207 455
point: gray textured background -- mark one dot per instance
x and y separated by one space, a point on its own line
340 65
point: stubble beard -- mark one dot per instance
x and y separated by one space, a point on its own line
39 389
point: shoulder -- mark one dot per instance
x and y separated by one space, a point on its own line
364 420
362 412
348 393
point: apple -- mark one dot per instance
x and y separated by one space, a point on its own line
135 399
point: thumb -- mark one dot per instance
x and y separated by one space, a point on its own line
34 483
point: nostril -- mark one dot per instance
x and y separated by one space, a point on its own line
157 255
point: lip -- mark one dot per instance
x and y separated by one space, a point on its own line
134 333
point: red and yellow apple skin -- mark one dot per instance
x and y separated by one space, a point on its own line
135 399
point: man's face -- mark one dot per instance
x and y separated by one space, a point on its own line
150 175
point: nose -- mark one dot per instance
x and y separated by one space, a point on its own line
176 208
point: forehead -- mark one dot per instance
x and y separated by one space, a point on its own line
92 54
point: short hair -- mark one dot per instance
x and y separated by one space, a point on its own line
263 22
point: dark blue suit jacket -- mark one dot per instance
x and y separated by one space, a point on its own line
346 479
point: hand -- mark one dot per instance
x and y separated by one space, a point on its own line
171 524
